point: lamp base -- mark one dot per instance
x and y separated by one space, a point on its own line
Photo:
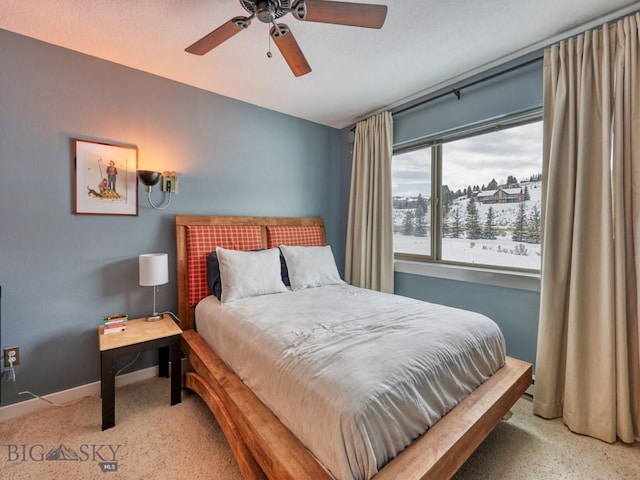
154 317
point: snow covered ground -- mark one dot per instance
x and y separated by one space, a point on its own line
499 252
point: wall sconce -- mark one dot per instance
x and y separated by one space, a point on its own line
169 184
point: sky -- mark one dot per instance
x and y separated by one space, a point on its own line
472 161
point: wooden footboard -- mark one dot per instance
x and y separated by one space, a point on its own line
246 463
249 424
263 447
441 451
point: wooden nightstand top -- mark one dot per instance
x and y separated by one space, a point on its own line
138 331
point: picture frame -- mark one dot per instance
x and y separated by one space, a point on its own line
105 179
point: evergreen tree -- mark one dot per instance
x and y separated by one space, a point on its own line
422 206
520 224
446 230
533 226
490 225
407 224
511 180
492 185
420 228
527 195
474 229
447 197
457 227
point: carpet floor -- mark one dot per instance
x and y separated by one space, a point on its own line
152 440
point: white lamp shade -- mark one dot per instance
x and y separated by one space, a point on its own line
154 269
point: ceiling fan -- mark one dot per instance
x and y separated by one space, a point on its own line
267 11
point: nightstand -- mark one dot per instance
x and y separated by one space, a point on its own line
140 335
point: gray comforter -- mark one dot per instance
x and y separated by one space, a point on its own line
355 374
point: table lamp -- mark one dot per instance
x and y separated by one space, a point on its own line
153 271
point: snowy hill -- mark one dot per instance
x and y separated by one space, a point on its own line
506 213
501 251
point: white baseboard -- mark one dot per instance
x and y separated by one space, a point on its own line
73 394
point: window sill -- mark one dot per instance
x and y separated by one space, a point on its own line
499 278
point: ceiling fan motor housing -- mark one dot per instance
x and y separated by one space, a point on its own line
267 10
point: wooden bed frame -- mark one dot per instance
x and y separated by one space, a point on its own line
266 449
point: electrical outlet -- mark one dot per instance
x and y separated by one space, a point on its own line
11 356
8 375
169 182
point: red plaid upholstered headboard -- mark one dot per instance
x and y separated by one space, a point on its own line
197 236
310 235
203 239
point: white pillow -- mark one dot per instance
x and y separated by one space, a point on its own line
248 274
310 266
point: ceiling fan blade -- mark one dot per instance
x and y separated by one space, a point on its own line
341 13
288 46
221 34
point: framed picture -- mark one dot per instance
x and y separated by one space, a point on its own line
105 180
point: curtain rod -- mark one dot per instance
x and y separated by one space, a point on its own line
457 91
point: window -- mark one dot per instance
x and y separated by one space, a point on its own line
411 172
487 184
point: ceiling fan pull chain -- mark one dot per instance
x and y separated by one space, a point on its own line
269 54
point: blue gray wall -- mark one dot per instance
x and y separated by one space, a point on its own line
515 311
61 273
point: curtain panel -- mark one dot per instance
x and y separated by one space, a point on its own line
588 361
369 248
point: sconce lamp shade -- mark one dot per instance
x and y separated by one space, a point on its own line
149 177
153 269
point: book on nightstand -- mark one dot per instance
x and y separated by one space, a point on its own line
114 324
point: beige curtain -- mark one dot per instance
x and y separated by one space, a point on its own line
369 249
588 361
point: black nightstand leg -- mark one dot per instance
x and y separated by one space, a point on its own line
163 362
108 389
176 370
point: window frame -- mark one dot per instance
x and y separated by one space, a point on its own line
435 142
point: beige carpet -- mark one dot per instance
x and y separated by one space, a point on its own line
152 440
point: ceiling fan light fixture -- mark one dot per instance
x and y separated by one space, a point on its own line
265 11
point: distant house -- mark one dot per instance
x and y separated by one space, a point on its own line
501 195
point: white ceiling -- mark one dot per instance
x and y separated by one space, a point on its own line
356 71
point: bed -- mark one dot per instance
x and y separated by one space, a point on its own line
260 442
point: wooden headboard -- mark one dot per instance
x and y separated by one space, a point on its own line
196 236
